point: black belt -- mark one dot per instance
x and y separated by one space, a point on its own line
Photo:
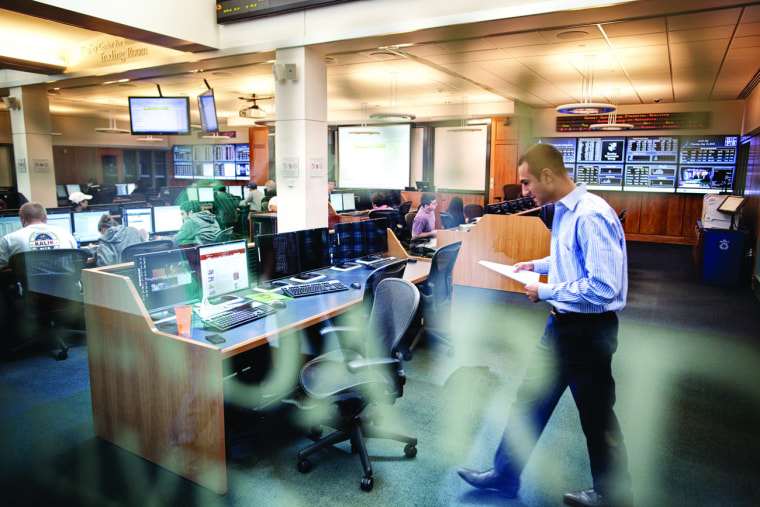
580 318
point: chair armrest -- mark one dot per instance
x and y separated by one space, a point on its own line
342 334
337 329
359 364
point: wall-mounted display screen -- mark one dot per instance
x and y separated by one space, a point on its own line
374 157
607 150
650 177
207 110
565 145
662 150
159 115
707 163
600 176
709 149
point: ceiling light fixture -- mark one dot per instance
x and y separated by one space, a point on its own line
612 123
586 106
364 130
111 128
392 115
463 126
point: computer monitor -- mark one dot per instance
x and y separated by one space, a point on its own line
313 251
236 190
130 188
223 268
167 278
425 186
86 225
9 224
337 201
72 187
60 191
277 256
375 236
191 193
349 244
166 219
121 190
205 194
349 201
61 219
139 218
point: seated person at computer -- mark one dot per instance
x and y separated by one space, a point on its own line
380 201
424 222
114 238
35 234
252 202
79 201
456 210
198 227
225 207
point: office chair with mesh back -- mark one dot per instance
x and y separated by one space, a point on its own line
224 235
404 208
128 254
394 269
473 211
51 293
354 381
447 220
435 296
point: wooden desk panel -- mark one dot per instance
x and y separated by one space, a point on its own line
505 239
157 395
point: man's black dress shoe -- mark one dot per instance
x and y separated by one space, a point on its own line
590 498
490 479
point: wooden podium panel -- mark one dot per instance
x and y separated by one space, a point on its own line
154 394
506 239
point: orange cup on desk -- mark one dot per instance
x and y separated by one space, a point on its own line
184 315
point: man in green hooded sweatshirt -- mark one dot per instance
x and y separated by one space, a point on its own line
198 227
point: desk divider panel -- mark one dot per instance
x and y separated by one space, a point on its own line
506 239
154 394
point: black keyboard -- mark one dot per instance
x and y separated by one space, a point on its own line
383 261
314 288
238 315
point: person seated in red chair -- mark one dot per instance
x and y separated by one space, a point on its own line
35 234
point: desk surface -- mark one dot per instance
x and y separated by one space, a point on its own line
299 313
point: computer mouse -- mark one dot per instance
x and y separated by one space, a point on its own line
356 285
411 260
278 304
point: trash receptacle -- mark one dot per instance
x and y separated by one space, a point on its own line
722 256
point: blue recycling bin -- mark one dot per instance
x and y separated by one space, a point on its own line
722 255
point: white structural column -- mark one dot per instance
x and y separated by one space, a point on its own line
33 149
301 139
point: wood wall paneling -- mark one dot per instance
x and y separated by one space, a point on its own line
258 140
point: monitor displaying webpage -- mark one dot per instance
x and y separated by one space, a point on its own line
223 268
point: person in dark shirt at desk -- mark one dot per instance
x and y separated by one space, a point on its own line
225 207
456 210
423 226
588 283
198 227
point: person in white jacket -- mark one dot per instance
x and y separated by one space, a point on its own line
35 234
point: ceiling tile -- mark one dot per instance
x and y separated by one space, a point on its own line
717 17
634 28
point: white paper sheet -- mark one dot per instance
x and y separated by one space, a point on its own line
524 277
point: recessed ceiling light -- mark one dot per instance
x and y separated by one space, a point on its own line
572 35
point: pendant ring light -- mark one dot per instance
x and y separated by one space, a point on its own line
586 106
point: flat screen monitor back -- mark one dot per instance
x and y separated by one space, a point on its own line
375 236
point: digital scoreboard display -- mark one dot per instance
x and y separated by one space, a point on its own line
228 11
662 150
650 177
607 150
600 176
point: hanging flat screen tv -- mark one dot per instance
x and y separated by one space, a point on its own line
159 115
207 110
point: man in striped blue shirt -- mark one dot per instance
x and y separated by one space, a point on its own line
587 284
